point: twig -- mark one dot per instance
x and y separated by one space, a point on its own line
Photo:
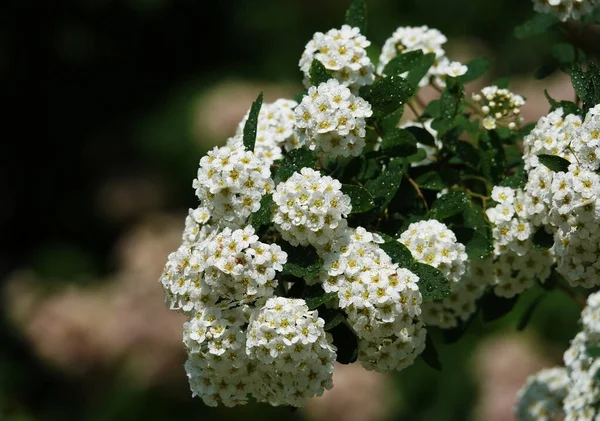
577 298
419 193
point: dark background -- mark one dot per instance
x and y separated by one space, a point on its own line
100 97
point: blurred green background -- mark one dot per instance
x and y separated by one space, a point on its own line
111 104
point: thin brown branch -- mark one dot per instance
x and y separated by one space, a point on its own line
419 192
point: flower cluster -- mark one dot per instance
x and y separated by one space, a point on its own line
572 392
331 120
382 301
427 40
310 208
275 128
342 52
230 183
500 107
568 201
565 9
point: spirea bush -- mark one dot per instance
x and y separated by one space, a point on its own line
330 230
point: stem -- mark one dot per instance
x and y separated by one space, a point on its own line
577 298
419 193
412 108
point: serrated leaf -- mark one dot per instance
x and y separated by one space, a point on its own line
346 343
356 15
477 245
387 95
318 73
421 135
384 187
494 307
360 198
542 240
398 252
431 180
399 142
476 68
294 161
536 26
430 354
528 313
554 162
433 285
263 215
249 132
302 262
449 204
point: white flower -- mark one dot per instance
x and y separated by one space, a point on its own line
541 398
500 107
331 120
343 53
455 69
565 9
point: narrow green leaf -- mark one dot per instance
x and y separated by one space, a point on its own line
361 199
384 187
579 80
554 162
399 142
249 133
430 354
398 252
536 26
494 307
356 15
387 95
593 90
449 205
476 68
302 262
294 161
528 313
433 285
492 157
315 301
318 73
542 240
264 214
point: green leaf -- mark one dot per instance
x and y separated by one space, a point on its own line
346 343
467 153
477 245
542 240
399 142
302 262
403 63
420 70
361 199
433 109
563 52
554 162
476 68
536 26
454 334
593 89
449 205
492 157
494 307
300 95
315 301
398 252
384 187
294 161
390 122
421 135
516 180
356 15
545 70
567 106
332 317
264 214
451 98
430 354
318 73
431 180
528 313
432 283
418 156
387 95
249 133
579 81
502 83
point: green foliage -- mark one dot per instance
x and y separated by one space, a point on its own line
528 313
539 24
386 95
303 262
356 15
398 252
554 162
449 204
294 161
586 84
430 354
567 106
263 216
384 187
318 73
542 239
399 142
493 307
476 68
477 245
361 199
249 133
346 342
432 283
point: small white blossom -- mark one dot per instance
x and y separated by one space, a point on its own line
541 398
500 107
